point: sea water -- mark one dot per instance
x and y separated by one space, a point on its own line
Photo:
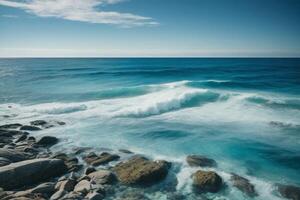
243 113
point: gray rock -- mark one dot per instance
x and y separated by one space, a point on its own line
207 181
89 170
29 172
21 138
102 177
198 160
58 195
94 196
44 188
11 126
12 155
68 185
105 158
30 128
125 151
73 196
243 185
141 171
289 191
83 186
47 141
4 161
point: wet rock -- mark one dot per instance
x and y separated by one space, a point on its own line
10 126
125 151
243 185
89 170
133 196
38 123
139 170
58 195
94 196
207 181
105 158
29 172
47 141
30 128
83 186
44 188
10 133
21 138
102 177
4 161
79 150
61 123
31 138
289 191
12 155
198 160
89 158
68 185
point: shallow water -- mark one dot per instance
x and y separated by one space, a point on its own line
244 113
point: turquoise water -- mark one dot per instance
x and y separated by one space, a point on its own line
244 113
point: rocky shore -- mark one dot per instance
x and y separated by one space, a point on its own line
30 170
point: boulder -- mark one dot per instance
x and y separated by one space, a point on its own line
102 177
10 133
141 171
289 191
44 188
68 185
89 158
10 126
30 128
12 155
29 172
4 161
243 185
83 186
94 196
125 151
88 170
105 158
200 161
58 195
47 141
21 138
207 181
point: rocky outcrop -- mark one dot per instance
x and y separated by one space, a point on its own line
243 185
47 141
141 171
102 159
30 128
289 191
206 181
102 177
12 155
29 172
200 161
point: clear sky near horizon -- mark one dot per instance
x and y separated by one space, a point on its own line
104 28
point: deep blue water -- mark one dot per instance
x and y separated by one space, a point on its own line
244 113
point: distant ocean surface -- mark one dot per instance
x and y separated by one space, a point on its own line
243 113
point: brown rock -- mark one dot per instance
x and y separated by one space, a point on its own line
139 170
243 185
207 181
202 161
102 177
105 158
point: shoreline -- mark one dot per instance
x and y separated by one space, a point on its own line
29 169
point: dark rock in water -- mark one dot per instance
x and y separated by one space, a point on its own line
38 123
10 126
102 177
4 161
29 172
79 150
31 138
12 155
30 128
175 196
21 138
61 123
58 195
90 157
141 171
44 188
133 196
243 184
289 191
202 161
105 158
125 151
47 141
89 170
10 133
207 181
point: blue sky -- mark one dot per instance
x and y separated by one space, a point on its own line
101 28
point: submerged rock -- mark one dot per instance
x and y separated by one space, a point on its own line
289 191
243 185
30 128
105 158
47 141
139 170
207 181
29 172
198 160
11 126
125 151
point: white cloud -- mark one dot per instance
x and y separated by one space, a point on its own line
80 10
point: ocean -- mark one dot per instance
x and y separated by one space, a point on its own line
242 112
